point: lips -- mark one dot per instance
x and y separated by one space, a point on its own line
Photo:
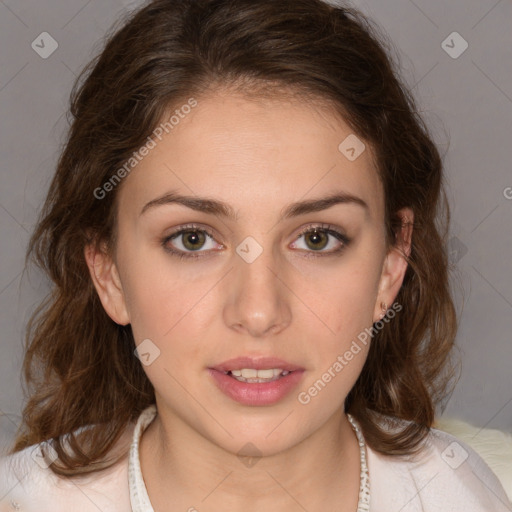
256 392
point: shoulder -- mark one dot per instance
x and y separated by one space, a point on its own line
446 475
27 484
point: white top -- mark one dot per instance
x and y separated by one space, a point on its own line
449 476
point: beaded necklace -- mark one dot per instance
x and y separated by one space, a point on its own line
138 494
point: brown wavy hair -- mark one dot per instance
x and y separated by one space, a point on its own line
79 366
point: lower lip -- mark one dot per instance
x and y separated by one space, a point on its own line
257 393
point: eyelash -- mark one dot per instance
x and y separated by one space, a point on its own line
325 228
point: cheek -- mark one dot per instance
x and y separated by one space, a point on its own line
156 298
346 305
355 302
346 298
163 299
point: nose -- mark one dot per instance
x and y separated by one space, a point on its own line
257 301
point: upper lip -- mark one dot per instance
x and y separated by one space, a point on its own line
258 363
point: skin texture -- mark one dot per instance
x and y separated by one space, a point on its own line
258 156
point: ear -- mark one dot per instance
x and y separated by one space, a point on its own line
106 280
395 264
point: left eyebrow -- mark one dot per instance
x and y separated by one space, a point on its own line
222 209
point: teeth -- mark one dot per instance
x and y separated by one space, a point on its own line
253 375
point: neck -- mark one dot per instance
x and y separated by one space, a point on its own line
182 467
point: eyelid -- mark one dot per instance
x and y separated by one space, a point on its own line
320 227
191 227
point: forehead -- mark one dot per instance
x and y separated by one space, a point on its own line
254 153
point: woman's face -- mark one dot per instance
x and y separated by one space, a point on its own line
251 279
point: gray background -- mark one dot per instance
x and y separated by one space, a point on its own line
467 102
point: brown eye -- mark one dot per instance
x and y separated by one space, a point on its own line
193 240
190 242
317 239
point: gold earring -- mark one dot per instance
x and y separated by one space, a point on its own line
384 308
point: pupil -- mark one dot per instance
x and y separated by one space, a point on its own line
316 238
192 239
